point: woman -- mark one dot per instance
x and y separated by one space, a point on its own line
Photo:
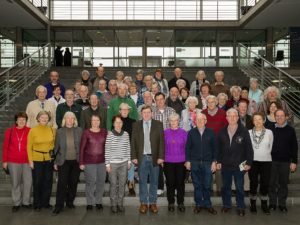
174 169
57 98
76 89
85 80
15 160
260 172
235 92
180 83
162 82
39 147
254 92
184 94
222 99
135 95
119 77
270 118
200 79
117 161
188 116
92 161
67 144
205 90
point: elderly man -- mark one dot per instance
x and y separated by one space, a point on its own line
54 81
111 94
284 160
94 109
234 158
67 106
201 157
83 101
35 106
174 102
101 89
178 75
113 107
139 76
100 75
244 118
219 86
148 100
147 152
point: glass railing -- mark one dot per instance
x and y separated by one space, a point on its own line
42 5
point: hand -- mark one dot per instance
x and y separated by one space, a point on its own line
247 167
160 162
82 167
134 161
213 167
293 167
219 166
4 165
129 165
187 165
55 167
31 165
108 168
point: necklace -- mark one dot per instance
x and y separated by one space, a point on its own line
257 139
19 140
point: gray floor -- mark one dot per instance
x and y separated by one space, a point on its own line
80 216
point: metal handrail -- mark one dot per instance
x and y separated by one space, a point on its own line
16 79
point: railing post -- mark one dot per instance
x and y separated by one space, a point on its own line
7 89
262 73
279 79
239 56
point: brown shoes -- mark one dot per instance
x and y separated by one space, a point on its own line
143 208
225 210
153 208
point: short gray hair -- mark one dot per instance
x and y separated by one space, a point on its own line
40 87
124 105
253 79
212 97
122 85
180 80
191 98
235 87
85 72
174 116
269 89
222 94
231 110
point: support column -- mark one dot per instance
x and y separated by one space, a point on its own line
144 51
217 49
234 55
270 45
19 44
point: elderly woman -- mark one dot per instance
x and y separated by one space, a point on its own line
15 160
252 106
174 169
200 79
135 95
39 147
205 90
119 77
161 81
188 116
127 80
260 172
272 94
222 99
85 80
235 92
154 89
270 118
117 161
67 146
254 92
180 83
148 80
92 161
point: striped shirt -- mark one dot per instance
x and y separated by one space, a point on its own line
163 116
117 148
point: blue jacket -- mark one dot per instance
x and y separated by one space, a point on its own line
201 148
49 87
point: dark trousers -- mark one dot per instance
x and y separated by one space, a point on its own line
260 174
42 176
161 180
278 189
175 176
68 176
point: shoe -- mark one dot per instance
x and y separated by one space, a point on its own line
225 210
160 192
264 207
272 207
56 211
70 206
131 186
211 210
283 209
114 209
171 208
181 208
29 206
143 208
89 207
121 208
197 209
153 208
241 212
99 207
253 206
15 208
48 206
37 208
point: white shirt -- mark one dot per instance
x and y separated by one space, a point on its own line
61 100
262 152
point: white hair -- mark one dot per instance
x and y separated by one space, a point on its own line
122 85
191 98
85 72
222 94
269 89
69 113
200 72
232 110
174 116
124 105
235 87
252 80
40 87
180 80
212 97
127 78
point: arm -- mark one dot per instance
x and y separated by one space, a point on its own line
248 148
134 139
56 146
109 116
294 147
188 147
83 143
107 149
82 120
128 147
59 115
30 148
5 147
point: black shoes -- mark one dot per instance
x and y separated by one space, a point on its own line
56 211
264 207
283 209
171 208
120 208
272 207
225 210
99 207
241 212
29 206
211 210
89 207
48 206
253 206
197 209
15 208
70 206
181 208
114 209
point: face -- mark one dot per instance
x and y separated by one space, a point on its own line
201 76
273 108
94 101
174 123
124 112
211 104
258 121
160 101
158 75
242 108
181 85
118 124
154 89
69 96
236 93
95 122
77 86
244 94
70 120
21 122
147 98
41 94
272 95
119 76
122 91
85 76
222 100
57 91
232 118
205 90
219 77
148 81
83 91
132 90
100 71
139 76
146 114
184 94
43 120
102 85
54 77
253 85
127 82
192 104
200 121
280 117
177 73
112 87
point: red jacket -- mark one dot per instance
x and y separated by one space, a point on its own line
10 148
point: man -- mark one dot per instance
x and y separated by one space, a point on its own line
101 89
177 75
35 106
174 102
110 94
67 106
147 151
235 157
54 80
244 118
284 160
94 109
113 107
100 75
83 101
219 86
201 157
148 100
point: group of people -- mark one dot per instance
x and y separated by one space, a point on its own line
163 129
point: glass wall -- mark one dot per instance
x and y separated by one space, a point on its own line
7 51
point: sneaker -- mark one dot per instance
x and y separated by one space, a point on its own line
160 192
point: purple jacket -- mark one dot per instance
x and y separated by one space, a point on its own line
175 145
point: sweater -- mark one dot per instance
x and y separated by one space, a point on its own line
217 121
86 115
40 143
201 147
92 147
262 152
49 87
13 139
117 147
177 105
63 108
175 141
285 145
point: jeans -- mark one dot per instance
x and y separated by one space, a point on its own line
202 178
130 174
238 177
148 169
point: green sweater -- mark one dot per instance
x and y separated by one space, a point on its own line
113 109
63 108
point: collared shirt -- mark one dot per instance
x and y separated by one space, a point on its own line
147 144
281 126
231 132
201 130
163 116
